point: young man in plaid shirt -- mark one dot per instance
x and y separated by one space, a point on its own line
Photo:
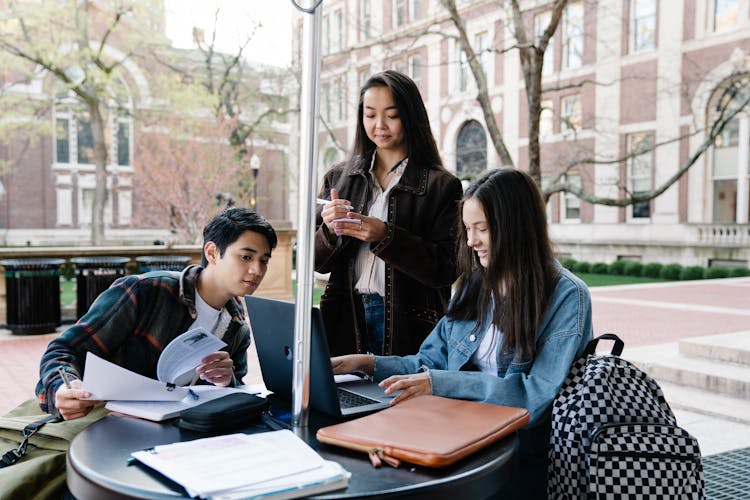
130 323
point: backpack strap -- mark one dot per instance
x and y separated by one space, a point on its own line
14 455
617 348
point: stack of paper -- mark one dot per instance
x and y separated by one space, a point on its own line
266 465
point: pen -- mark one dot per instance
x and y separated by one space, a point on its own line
64 376
323 201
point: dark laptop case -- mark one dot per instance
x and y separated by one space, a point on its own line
225 414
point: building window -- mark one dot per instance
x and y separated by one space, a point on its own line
415 68
364 19
463 70
337 38
325 110
123 143
570 113
415 9
325 41
726 157
62 141
398 14
363 76
482 48
642 25
731 154
572 56
546 120
572 209
340 97
725 14
541 21
471 150
85 140
640 170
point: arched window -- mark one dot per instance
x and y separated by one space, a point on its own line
731 152
471 150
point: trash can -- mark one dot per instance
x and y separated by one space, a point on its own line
33 294
162 262
93 276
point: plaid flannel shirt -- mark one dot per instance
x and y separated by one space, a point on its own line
130 324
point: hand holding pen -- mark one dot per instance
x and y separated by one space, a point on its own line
342 221
336 212
68 398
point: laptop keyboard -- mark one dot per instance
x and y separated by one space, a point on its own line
350 400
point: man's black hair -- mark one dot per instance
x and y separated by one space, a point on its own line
226 227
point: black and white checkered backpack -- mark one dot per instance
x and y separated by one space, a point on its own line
614 435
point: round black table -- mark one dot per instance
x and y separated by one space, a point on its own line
97 465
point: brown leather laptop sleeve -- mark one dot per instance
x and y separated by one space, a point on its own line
426 430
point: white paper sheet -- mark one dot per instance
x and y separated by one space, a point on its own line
209 466
106 381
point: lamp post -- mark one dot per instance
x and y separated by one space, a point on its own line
255 167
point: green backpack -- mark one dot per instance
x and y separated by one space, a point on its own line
40 473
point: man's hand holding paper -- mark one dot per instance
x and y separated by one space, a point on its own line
216 368
194 353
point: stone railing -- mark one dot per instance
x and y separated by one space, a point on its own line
723 234
277 284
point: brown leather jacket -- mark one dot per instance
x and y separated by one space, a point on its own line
419 252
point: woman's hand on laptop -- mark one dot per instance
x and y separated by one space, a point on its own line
415 384
216 368
352 363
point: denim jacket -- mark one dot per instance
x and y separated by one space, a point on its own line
532 384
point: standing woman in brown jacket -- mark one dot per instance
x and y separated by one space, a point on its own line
388 233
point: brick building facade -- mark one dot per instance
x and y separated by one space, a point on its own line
630 83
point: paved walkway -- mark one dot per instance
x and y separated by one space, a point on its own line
639 314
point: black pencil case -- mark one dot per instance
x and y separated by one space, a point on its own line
225 414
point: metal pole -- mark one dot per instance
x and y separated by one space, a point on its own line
306 213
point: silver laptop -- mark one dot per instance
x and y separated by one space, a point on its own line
273 330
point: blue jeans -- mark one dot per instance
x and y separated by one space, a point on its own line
370 310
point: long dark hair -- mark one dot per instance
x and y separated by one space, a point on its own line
420 144
521 273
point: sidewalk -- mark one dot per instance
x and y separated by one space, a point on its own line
640 314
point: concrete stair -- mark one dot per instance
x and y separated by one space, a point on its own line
709 375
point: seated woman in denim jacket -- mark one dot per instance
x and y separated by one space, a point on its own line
516 323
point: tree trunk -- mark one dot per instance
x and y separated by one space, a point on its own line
100 160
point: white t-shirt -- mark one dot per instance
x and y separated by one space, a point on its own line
207 316
485 357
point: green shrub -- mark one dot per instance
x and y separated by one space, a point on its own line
569 263
67 271
716 272
617 267
670 272
582 267
692 273
633 268
599 268
739 272
652 270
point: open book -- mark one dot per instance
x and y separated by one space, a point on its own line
127 391
266 465
163 410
